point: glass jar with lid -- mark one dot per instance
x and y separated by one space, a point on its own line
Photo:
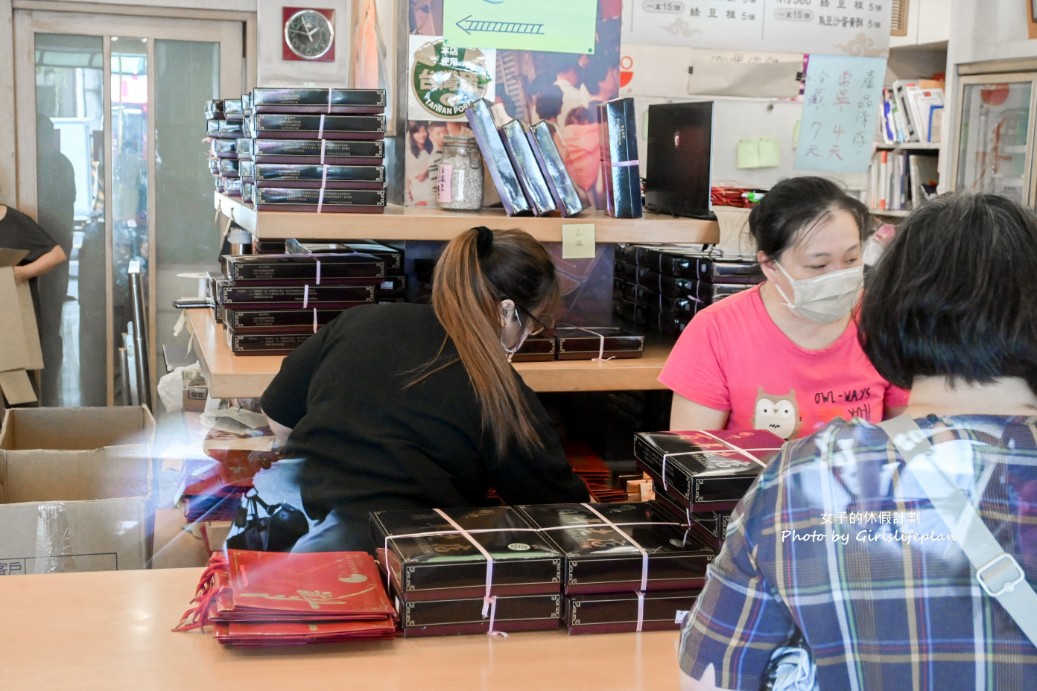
460 174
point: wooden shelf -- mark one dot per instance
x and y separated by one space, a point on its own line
247 376
909 146
422 223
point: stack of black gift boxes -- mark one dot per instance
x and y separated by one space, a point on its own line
661 287
270 303
594 567
304 148
224 123
699 476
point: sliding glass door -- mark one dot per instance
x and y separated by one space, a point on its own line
119 177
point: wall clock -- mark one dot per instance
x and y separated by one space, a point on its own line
309 34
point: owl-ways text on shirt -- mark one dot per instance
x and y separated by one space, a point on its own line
777 414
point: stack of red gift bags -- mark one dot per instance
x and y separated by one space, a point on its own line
282 598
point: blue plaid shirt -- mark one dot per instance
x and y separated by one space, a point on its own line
838 543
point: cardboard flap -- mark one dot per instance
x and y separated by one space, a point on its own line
11 257
16 387
60 476
76 428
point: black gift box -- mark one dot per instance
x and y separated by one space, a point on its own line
392 256
288 267
539 348
530 176
585 343
278 321
330 151
291 295
296 126
498 164
429 558
705 470
318 201
465 616
627 612
563 191
316 100
264 344
314 175
710 266
619 161
616 547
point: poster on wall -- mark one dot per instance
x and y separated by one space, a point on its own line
807 26
443 78
840 107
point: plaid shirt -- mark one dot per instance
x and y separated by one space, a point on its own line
838 542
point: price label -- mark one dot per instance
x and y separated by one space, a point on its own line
578 241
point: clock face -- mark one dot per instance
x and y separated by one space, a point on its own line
309 35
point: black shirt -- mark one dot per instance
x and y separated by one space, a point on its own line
18 231
370 442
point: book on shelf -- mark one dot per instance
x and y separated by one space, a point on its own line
900 102
498 164
530 177
924 177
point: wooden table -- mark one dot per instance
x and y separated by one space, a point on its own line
111 630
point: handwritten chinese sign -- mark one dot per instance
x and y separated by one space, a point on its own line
840 104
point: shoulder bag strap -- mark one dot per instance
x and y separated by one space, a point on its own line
997 571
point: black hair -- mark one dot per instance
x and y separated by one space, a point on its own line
476 271
795 205
549 102
955 294
415 148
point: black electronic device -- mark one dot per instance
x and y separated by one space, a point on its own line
678 157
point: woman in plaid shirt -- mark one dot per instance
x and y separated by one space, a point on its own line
837 545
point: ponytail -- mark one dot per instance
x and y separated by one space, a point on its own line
478 269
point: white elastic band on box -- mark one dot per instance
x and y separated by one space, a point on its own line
320 200
640 609
318 272
644 553
732 447
489 559
493 614
320 130
323 175
323 149
601 345
314 320
306 296
624 164
329 99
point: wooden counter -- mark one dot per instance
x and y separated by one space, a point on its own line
247 376
111 630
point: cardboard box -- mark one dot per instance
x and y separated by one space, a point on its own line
20 344
26 430
196 391
86 502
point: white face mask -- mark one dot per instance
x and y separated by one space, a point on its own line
826 298
524 334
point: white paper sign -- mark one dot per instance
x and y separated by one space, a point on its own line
840 107
840 27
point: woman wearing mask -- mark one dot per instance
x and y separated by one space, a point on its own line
409 406
783 356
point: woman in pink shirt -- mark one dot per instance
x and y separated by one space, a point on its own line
783 356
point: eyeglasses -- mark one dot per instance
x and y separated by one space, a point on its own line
539 327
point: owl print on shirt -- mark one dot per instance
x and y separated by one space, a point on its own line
776 413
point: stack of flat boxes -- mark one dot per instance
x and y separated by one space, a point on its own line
699 476
596 568
442 584
628 567
224 119
663 287
313 149
270 303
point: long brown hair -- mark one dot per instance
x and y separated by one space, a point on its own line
478 269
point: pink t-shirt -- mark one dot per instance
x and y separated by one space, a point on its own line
732 356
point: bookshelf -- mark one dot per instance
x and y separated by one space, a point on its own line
245 376
423 223
891 176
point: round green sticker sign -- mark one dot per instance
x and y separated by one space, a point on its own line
446 78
